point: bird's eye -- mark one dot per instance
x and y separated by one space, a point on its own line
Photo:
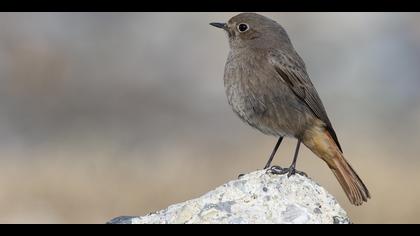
243 27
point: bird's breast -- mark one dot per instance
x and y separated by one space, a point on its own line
260 98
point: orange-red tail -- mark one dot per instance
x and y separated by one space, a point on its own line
354 187
319 141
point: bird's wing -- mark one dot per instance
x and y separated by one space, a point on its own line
293 72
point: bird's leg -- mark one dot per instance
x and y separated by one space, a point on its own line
292 169
273 153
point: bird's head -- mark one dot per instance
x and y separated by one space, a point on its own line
253 30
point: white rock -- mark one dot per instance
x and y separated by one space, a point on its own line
258 197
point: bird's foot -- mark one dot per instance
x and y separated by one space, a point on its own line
274 170
277 170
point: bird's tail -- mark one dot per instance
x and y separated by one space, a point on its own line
354 187
319 141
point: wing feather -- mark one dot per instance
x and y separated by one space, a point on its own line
293 72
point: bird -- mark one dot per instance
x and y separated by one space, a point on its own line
268 87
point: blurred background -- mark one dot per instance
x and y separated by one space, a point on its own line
110 114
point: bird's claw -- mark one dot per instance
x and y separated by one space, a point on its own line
277 170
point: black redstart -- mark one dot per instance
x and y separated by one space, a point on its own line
268 87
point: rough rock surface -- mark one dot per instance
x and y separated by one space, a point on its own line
258 197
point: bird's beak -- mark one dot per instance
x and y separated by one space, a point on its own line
219 25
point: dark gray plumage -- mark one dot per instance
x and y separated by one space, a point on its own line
268 87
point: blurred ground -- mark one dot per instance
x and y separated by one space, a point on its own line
109 114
